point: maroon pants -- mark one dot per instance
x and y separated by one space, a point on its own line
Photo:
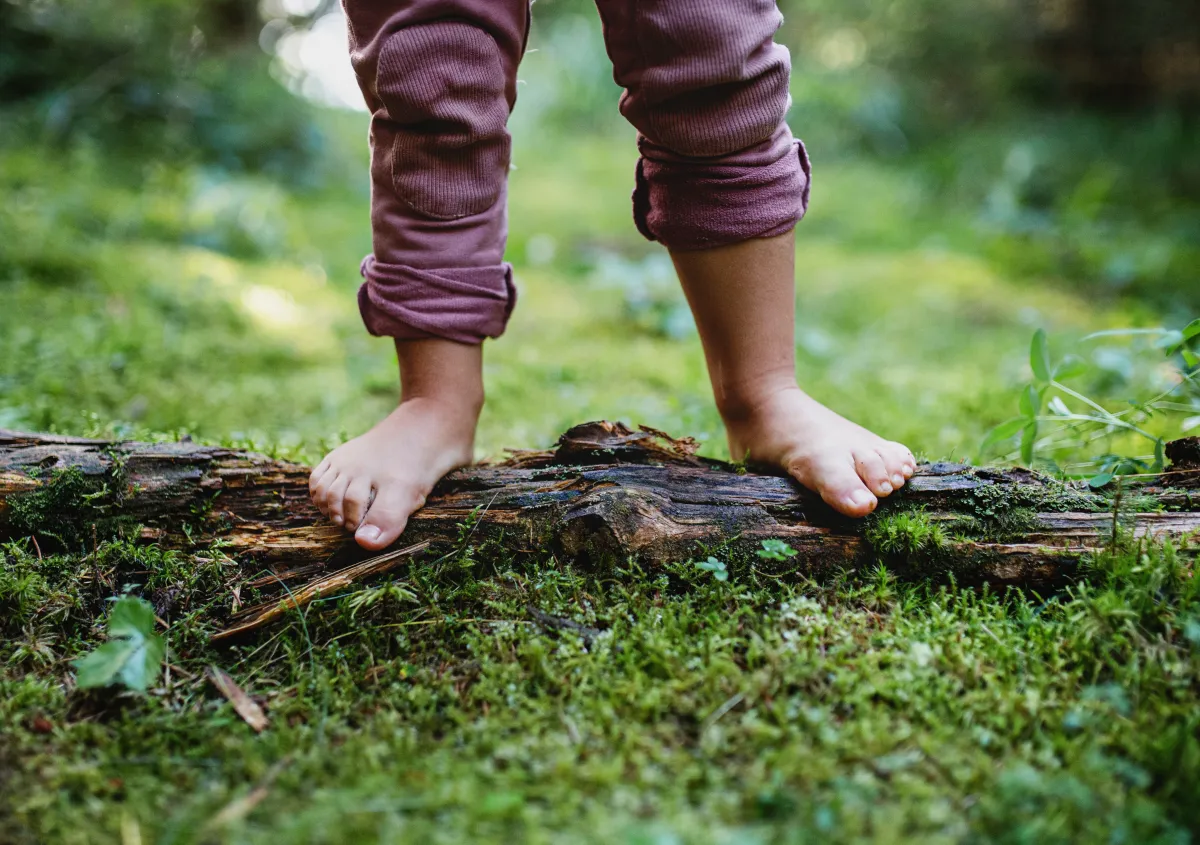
705 86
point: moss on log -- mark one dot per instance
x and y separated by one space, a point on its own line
605 493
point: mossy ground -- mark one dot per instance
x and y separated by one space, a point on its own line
440 707
142 298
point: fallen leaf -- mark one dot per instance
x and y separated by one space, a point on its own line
245 706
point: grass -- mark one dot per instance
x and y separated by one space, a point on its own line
438 709
143 299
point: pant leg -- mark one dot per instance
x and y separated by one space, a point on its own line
706 87
439 77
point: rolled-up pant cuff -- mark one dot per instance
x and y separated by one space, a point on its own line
463 304
690 204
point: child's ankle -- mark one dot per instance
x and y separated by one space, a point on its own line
464 406
442 377
744 402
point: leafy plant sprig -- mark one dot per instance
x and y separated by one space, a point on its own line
776 550
715 566
1048 379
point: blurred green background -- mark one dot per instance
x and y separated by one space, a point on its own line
185 204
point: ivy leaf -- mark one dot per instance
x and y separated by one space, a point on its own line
133 653
1100 479
775 550
1039 357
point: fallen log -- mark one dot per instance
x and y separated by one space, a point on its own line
605 493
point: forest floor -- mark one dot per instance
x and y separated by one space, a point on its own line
434 707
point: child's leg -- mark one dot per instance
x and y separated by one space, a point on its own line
440 79
721 183
743 297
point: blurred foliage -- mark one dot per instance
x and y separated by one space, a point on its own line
960 60
1091 182
167 79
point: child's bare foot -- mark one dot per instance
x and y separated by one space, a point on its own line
847 465
372 484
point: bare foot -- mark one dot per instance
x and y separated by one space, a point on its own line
847 465
373 483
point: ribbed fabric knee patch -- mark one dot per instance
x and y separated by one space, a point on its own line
443 86
709 87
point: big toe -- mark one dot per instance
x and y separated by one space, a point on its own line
873 471
387 517
838 484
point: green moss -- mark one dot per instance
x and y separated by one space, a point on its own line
907 535
998 525
998 513
761 698
996 501
68 506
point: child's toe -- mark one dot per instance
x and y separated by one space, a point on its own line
319 491
386 518
838 483
849 500
873 472
898 459
894 467
356 502
319 472
335 499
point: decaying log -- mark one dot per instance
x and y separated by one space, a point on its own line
604 493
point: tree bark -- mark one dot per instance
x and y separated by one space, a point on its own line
605 493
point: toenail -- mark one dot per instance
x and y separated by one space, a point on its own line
861 498
369 533
897 480
337 520
885 488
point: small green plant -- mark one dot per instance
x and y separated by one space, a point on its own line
907 534
776 550
716 567
1093 421
133 653
392 592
